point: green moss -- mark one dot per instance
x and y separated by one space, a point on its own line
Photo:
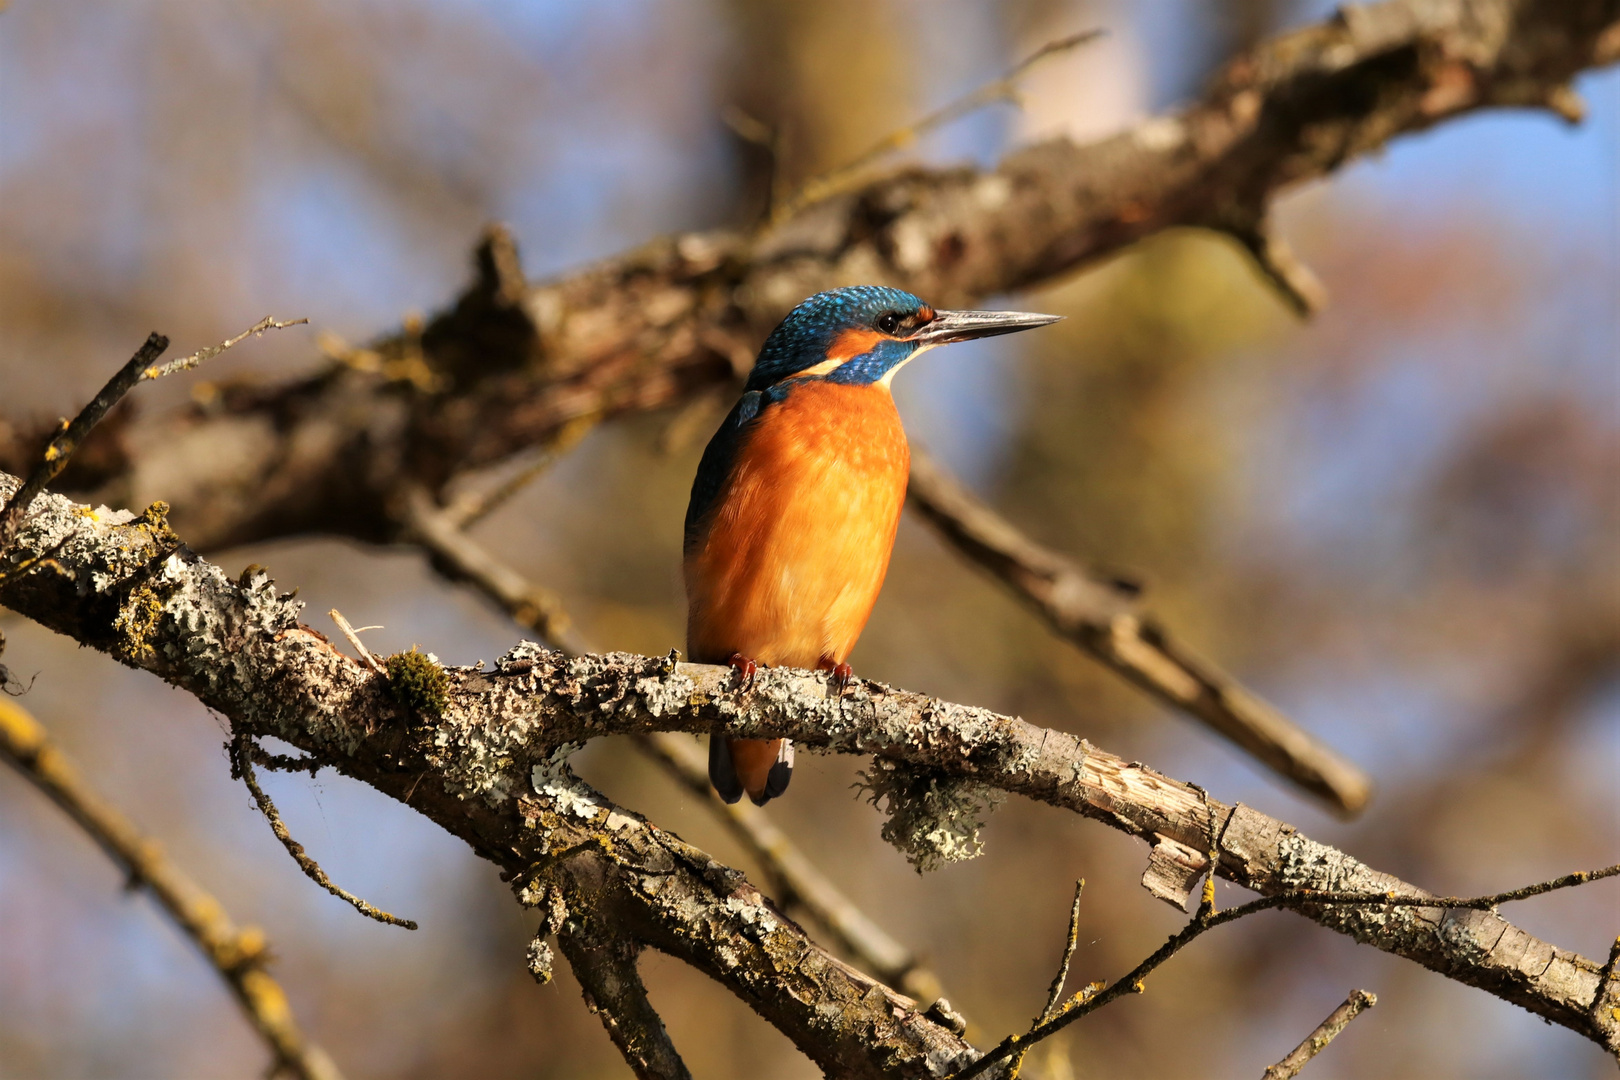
419 684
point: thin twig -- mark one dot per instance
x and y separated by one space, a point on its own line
285 762
1609 967
1294 281
1087 1001
1005 88
138 369
242 766
186 363
1101 616
1608 991
460 558
354 640
1325 1032
469 509
1206 903
1054 994
238 954
1056 990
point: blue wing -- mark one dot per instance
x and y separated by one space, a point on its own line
718 457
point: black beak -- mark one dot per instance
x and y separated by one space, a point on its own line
949 326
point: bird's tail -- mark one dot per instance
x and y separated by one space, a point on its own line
761 767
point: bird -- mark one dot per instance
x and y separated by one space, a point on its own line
797 497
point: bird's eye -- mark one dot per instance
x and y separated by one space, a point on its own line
888 322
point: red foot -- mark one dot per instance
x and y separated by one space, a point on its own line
745 667
841 674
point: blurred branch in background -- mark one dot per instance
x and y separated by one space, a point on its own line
820 188
519 362
239 954
1102 616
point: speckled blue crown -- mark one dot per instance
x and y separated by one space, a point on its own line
803 338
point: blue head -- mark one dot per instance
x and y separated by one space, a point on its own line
865 333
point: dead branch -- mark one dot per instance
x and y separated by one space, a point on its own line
140 368
460 558
496 741
1103 618
241 748
847 176
605 965
1326 1032
1054 993
238 954
1091 999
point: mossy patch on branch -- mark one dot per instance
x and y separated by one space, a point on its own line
419 683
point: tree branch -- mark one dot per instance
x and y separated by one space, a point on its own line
242 768
459 557
513 363
238 954
606 967
795 879
1102 617
1207 918
497 740
142 367
1326 1032
798 883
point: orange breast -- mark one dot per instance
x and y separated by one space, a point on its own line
797 549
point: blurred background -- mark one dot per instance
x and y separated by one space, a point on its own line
1399 522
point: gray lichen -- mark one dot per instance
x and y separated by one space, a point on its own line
933 819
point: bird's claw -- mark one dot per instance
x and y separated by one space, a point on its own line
841 675
745 667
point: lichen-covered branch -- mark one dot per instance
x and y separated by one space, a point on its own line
605 964
1095 996
798 883
495 742
1103 617
123 584
237 953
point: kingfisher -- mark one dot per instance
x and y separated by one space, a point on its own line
797 498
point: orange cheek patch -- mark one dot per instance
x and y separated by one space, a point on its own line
853 343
